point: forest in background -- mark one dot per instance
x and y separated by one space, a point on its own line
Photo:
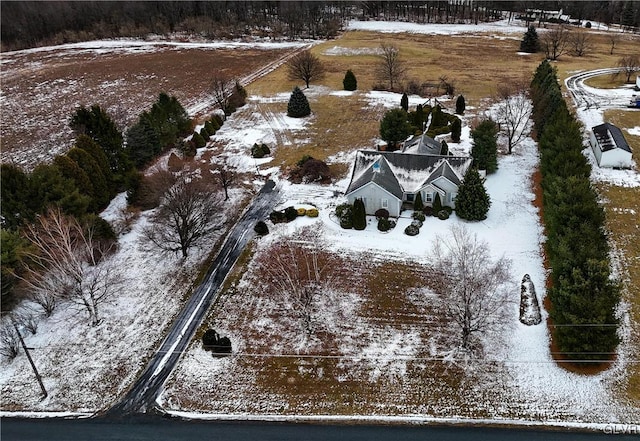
26 24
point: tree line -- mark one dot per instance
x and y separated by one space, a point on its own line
32 23
583 295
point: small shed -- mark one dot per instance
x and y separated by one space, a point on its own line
610 147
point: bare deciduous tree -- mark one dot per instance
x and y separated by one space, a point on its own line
306 67
613 39
555 42
629 64
299 276
222 90
390 69
580 43
188 212
68 263
225 178
473 286
513 113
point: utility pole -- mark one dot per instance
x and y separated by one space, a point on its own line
26 351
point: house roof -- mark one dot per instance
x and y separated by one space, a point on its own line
610 137
400 173
422 145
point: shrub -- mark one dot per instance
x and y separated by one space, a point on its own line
416 223
277 216
204 133
384 224
261 228
301 211
456 130
418 215
312 212
588 25
443 215
198 140
382 213
311 170
349 82
211 341
211 130
404 102
260 150
343 209
392 224
411 230
472 202
427 211
417 203
290 213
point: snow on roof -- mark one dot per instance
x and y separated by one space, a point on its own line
401 173
610 137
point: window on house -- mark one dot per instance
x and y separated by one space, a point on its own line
385 203
410 197
428 197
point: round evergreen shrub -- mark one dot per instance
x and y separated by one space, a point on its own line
298 106
204 133
290 213
392 224
277 216
416 223
384 224
427 211
588 25
210 129
210 339
312 212
382 213
301 211
261 228
411 230
346 222
418 215
443 215
223 346
343 209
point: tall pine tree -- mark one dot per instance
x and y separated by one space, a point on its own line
485 146
472 202
349 82
530 42
359 215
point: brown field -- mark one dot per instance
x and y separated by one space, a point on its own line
41 91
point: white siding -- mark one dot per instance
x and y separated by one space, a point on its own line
373 195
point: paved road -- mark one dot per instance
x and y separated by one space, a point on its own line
156 428
142 395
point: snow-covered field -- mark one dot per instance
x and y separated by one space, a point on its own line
85 368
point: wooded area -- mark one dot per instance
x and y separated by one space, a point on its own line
33 23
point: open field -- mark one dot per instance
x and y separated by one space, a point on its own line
380 340
41 89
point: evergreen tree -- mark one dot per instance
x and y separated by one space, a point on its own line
71 170
438 119
49 187
15 206
298 106
92 148
419 118
99 191
359 215
437 204
472 202
404 102
349 82
394 127
99 126
205 135
143 141
530 42
11 245
460 105
485 146
417 202
444 150
456 130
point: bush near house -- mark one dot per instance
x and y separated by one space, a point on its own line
260 150
359 215
382 213
261 228
298 106
412 230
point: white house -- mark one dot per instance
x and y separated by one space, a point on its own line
390 179
609 146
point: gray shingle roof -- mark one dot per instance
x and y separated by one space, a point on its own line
610 137
400 173
422 145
